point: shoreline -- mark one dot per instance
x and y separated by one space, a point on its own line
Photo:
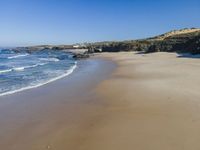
44 116
68 72
119 101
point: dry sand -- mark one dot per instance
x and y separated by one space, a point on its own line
154 103
150 102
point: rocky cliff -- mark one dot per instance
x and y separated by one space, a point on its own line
185 40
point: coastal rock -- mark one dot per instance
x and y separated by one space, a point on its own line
185 40
81 56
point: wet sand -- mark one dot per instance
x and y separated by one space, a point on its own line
57 115
147 102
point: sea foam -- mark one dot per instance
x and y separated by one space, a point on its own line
68 72
18 72
17 56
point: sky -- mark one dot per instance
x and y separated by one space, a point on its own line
36 22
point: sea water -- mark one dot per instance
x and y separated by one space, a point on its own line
21 70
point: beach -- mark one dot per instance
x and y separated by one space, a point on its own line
112 101
56 115
154 103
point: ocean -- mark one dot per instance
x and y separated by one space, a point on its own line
21 70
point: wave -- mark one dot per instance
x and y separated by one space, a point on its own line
5 71
50 59
17 56
26 67
18 69
68 72
21 68
41 64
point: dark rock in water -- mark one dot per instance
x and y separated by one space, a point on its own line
81 56
94 49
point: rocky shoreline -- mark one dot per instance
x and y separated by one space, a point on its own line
181 41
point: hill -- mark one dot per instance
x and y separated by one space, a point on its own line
184 40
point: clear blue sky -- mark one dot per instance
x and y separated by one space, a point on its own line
33 22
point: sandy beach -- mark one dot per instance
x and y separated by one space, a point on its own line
57 115
154 103
113 101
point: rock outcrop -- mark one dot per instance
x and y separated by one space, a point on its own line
185 40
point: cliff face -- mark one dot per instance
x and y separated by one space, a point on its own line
185 40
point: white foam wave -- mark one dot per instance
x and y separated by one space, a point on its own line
18 69
17 56
40 64
21 68
4 71
32 66
68 72
50 59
